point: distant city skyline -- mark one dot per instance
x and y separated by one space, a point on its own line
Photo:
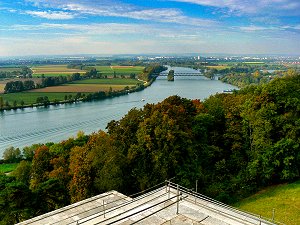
55 27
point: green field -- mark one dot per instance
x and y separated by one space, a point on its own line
253 63
285 199
8 167
219 67
115 81
51 74
30 97
119 70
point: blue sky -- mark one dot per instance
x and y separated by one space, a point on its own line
46 27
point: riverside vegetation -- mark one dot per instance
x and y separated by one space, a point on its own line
93 85
233 144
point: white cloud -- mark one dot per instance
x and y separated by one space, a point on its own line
105 8
271 7
254 28
51 15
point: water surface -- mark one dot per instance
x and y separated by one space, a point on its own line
25 127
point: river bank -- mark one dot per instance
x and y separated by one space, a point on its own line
23 127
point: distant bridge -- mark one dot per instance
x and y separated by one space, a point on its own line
178 74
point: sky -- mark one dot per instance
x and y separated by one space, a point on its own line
70 27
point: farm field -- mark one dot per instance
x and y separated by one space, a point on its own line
54 70
10 69
253 63
59 92
83 88
2 86
285 199
90 85
30 97
219 67
119 70
115 81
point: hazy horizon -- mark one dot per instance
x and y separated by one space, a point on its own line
82 27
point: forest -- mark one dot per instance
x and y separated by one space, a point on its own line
233 144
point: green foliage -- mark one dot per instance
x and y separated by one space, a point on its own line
50 195
12 155
22 173
41 167
233 144
15 203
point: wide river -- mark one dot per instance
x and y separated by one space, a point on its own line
25 127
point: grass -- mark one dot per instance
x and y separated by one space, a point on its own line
30 97
285 199
115 81
253 62
64 74
83 88
8 167
59 92
119 70
2 86
219 67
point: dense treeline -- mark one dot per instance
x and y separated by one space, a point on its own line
18 86
233 144
244 77
24 72
148 72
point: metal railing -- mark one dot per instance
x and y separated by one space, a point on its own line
199 196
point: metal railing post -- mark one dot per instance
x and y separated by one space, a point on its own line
166 186
273 214
177 199
103 209
169 190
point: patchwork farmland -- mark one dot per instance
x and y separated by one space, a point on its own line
54 70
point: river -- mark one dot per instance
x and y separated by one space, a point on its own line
24 127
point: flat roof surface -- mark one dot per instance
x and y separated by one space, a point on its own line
165 205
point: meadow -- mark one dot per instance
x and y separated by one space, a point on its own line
218 67
284 198
8 167
59 92
253 63
119 70
30 97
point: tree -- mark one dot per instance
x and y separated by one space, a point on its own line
16 200
29 151
80 171
41 166
1 102
171 75
12 155
23 172
50 195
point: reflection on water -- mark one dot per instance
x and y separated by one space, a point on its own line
24 127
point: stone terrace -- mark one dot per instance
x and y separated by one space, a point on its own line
169 204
